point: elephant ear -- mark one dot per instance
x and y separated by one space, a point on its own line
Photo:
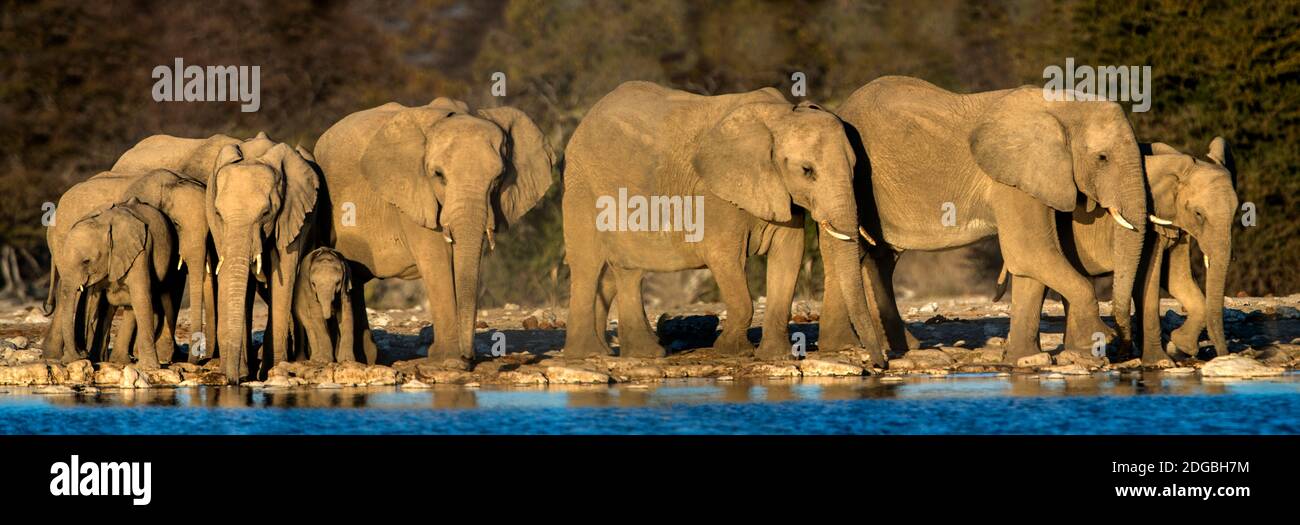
1160 148
301 183
393 164
735 160
1163 172
1027 150
529 159
305 153
127 235
1222 154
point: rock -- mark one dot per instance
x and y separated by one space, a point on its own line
434 374
211 378
281 381
995 341
520 377
26 374
1131 364
328 386
1239 366
1051 341
382 375
132 378
185 368
987 356
642 373
510 307
481 324
162 376
1071 357
19 342
254 384
568 375
54 390
823 368
351 373
530 323
772 370
930 358
58 374
1035 360
23 356
80 372
901 364
956 352
279 370
891 379
1179 370
108 374
188 383
1073 369
416 384
928 308
1054 376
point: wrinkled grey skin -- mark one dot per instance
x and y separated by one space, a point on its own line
124 254
323 308
760 163
258 209
428 187
1198 199
179 198
1005 160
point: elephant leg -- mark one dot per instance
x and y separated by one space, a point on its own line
209 341
783 261
318 337
99 336
635 338
1148 300
1031 246
361 323
434 263
606 292
124 340
280 317
145 316
582 337
1183 287
729 272
169 301
896 332
1026 308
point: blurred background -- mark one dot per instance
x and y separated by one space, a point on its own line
75 90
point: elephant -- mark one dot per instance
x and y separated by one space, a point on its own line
1191 199
181 200
124 253
323 293
945 170
417 192
259 208
760 166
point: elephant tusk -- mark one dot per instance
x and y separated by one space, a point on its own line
447 238
207 268
81 288
491 239
219 261
179 262
1160 221
257 264
1115 215
826 225
1206 259
863 231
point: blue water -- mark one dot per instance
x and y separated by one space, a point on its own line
969 404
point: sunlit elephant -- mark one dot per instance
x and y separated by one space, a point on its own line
180 199
258 209
194 158
322 307
1191 199
417 192
125 254
949 169
760 164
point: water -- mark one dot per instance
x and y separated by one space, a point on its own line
1133 403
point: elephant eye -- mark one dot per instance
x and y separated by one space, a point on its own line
809 172
1101 157
438 174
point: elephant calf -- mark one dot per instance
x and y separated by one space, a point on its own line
322 307
1192 199
121 255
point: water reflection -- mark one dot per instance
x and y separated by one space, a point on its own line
666 394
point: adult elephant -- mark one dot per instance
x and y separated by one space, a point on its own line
259 203
949 169
194 158
752 157
1191 199
416 192
180 199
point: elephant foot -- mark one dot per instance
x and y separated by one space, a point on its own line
580 348
1153 355
774 349
1185 340
641 347
148 364
735 345
835 338
1087 335
69 357
450 357
1016 352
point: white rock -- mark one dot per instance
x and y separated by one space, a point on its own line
1034 360
415 384
1239 366
132 378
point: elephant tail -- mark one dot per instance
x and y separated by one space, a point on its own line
1003 281
48 306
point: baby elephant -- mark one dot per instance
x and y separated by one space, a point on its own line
121 254
322 308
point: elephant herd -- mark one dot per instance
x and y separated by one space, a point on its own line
420 192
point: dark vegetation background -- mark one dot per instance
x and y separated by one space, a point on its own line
75 92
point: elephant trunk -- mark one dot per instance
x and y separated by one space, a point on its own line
1218 253
847 256
326 305
196 277
1127 247
467 254
232 289
68 323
